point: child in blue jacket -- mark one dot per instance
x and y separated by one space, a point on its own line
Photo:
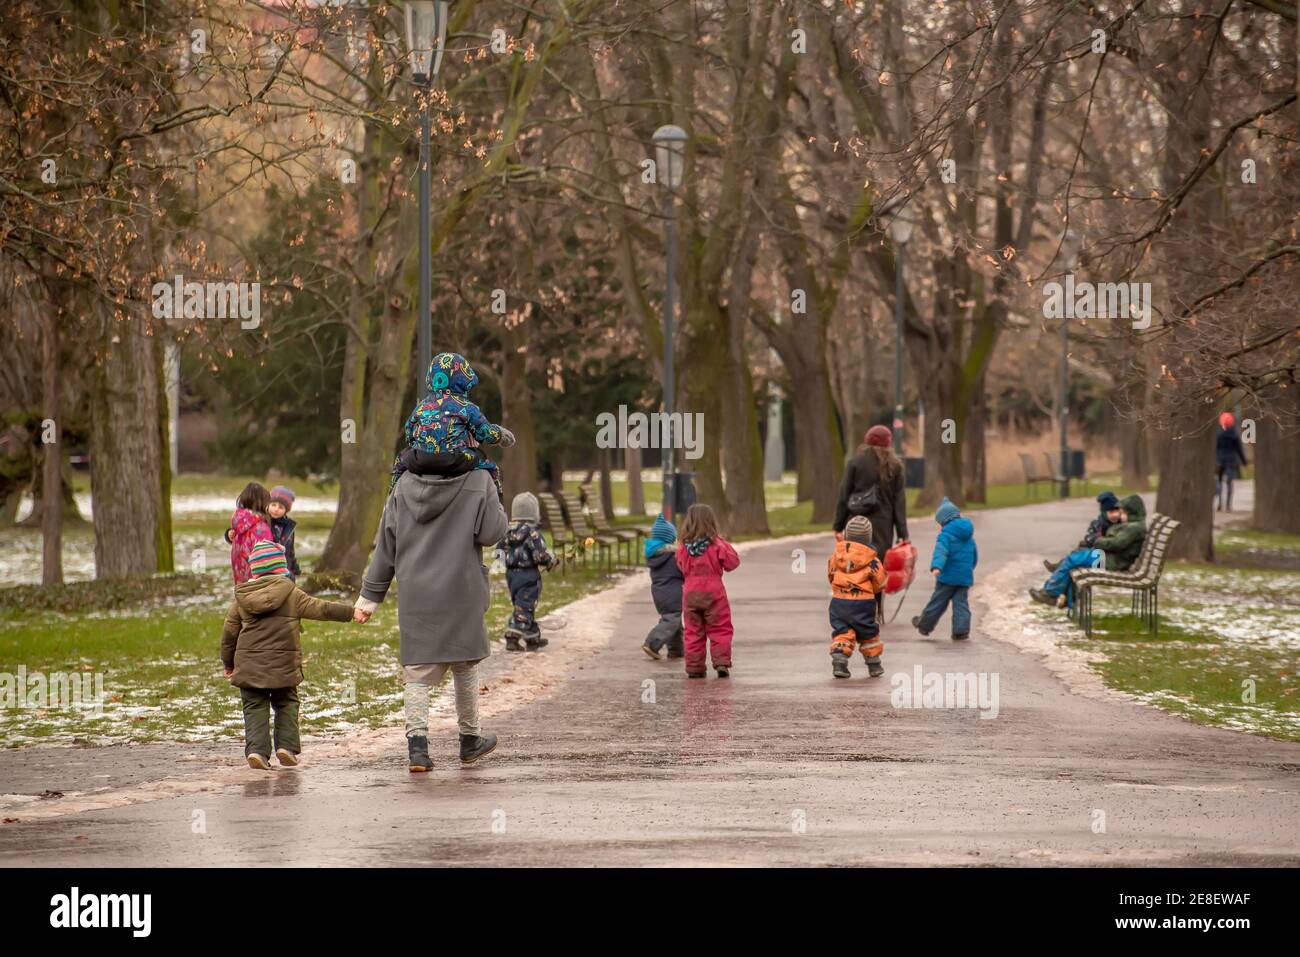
953 567
665 589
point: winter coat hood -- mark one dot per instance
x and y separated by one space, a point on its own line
257 596
428 496
245 520
450 372
698 547
1137 511
946 512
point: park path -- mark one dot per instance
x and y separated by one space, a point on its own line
780 764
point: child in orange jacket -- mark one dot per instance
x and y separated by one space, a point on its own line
857 576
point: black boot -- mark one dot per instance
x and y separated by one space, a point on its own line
1051 566
840 665
417 748
512 643
874 668
474 746
536 643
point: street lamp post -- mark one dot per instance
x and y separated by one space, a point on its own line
900 231
1070 247
670 155
426 35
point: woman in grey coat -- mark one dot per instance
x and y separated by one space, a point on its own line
431 539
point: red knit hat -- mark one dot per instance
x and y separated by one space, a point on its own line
879 435
1226 420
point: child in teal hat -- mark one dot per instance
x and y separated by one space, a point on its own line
665 589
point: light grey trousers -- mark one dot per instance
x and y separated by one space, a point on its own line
418 679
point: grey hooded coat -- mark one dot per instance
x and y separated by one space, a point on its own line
431 539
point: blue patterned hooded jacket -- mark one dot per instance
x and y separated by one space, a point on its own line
445 418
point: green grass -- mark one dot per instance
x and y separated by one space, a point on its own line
157 651
1226 653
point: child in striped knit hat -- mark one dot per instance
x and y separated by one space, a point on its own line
262 652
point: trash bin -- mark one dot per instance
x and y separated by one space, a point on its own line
1074 467
914 471
683 493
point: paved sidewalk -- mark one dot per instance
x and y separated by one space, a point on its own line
627 762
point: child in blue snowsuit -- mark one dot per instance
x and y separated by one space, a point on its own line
953 567
525 554
666 590
440 429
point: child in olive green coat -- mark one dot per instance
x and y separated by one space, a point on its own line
262 654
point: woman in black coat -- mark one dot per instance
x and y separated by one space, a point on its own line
875 465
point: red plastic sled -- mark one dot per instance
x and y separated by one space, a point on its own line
900 563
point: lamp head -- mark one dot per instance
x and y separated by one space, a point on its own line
426 35
670 154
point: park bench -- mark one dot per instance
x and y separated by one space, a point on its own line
1143 579
1032 475
627 533
1055 469
582 530
553 521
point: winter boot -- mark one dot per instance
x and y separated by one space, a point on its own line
536 643
474 746
724 671
1051 566
650 651
1040 596
512 643
962 637
874 668
697 674
840 665
916 623
417 748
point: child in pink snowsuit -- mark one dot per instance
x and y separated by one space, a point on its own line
703 556
248 526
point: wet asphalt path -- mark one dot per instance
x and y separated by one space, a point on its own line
629 763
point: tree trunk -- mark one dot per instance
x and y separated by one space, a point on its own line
555 481
1187 483
52 479
518 463
1187 458
635 488
363 483
1276 457
165 549
124 452
975 447
1134 447
606 487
